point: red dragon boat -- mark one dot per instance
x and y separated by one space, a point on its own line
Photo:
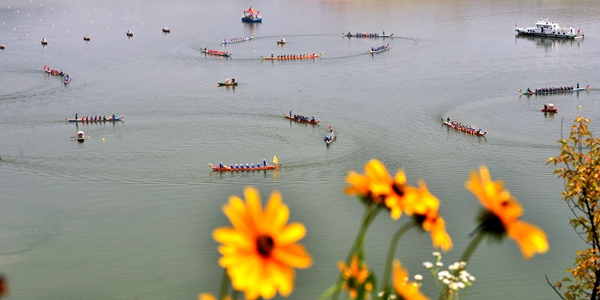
215 52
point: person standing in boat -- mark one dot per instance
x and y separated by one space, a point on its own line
265 161
578 85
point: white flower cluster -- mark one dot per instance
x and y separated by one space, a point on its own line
454 279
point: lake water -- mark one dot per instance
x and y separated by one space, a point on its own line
128 214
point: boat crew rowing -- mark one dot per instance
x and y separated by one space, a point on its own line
366 35
314 55
302 119
95 119
464 127
554 90
215 52
227 82
248 167
330 137
380 48
236 40
550 29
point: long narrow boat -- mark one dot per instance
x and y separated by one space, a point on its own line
243 168
215 52
330 137
460 127
236 40
53 72
227 83
380 49
314 122
100 120
367 35
544 91
293 56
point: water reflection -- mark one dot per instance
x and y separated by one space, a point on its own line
550 43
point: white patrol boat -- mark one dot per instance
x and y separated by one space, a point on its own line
545 28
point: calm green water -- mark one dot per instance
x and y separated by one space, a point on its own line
128 214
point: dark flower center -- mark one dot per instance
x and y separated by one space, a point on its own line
264 245
399 189
491 224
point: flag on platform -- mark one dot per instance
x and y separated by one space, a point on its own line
515 24
578 30
275 160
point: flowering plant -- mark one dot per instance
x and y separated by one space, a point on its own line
261 251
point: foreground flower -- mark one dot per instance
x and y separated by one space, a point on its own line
377 186
503 212
260 251
209 296
355 277
405 289
427 216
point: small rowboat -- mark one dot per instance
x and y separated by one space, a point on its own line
44 42
86 38
367 35
215 52
80 136
293 56
166 30
236 40
84 120
460 127
330 137
380 49
129 33
227 83
549 108
302 121
1 46
66 79
281 42
545 91
243 168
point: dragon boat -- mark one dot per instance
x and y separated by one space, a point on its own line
95 119
236 40
243 168
215 52
53 72
293 56
553 90
309 121
464 128
380 49
367 35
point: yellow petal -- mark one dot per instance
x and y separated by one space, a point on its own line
290 234
294 255
530 238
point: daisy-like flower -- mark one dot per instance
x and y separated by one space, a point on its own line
377 186
406 289
425 209
260 251
355 277
502 213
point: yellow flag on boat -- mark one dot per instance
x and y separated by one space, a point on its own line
275 160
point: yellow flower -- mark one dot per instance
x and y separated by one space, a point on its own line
355 277
209 296
503 212
405 289
260 251
427 216
378 187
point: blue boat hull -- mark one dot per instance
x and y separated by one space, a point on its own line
247 20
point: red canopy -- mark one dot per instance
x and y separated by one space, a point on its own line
251 10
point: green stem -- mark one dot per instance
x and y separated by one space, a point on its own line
368 217
472 246
224 284
332 289
392 252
